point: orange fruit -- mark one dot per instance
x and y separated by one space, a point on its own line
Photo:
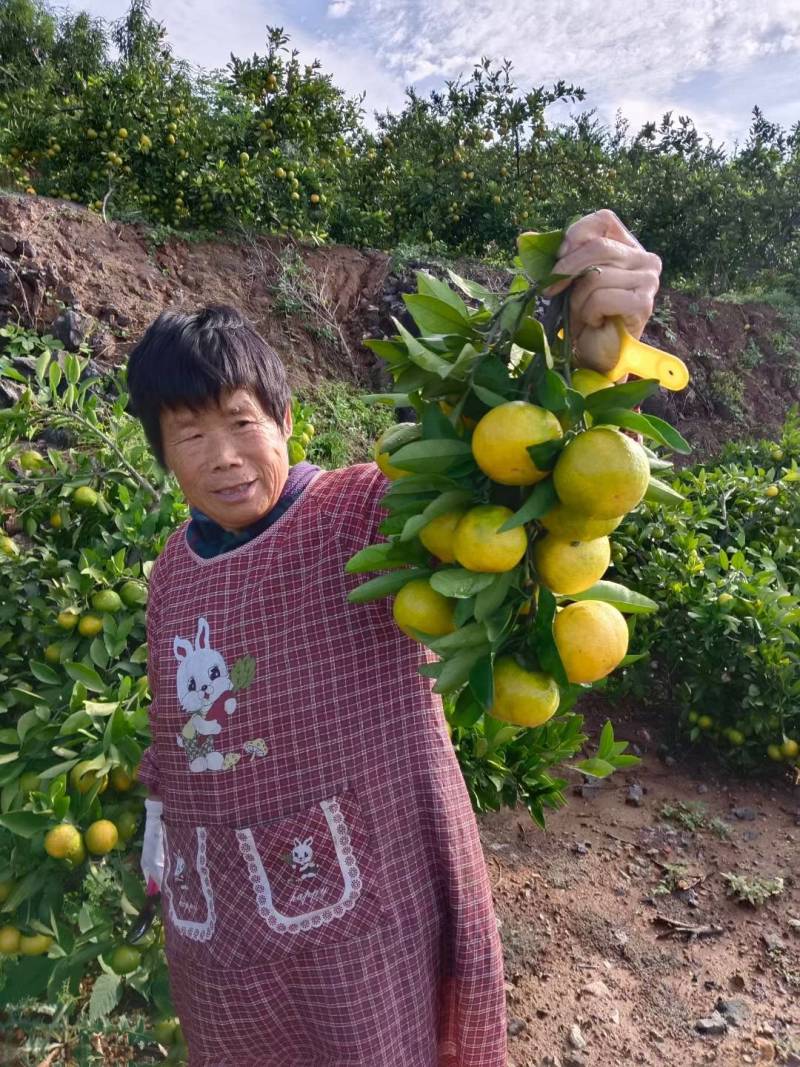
479 546
592 639
419 606
101 837
523 697
570 567
601 473
439 534
502 437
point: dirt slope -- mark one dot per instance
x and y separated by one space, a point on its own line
56 257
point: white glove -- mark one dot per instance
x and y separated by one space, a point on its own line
152 862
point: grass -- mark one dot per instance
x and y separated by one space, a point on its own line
346 427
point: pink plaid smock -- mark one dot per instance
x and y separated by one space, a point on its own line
325 897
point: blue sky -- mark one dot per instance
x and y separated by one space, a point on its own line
712 60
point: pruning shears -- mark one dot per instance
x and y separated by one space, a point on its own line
147 913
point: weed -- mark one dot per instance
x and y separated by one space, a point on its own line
345 425
753 891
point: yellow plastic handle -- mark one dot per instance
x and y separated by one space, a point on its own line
645 361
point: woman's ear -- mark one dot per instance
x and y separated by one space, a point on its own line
288 422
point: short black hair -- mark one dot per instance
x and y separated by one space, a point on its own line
191 359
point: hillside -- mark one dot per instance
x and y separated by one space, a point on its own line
63 270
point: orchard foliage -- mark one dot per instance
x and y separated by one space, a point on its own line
725 568
106 115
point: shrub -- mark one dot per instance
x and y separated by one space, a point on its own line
725 568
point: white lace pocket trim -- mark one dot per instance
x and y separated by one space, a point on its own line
197 931
351 878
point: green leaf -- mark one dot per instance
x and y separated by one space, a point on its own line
385 556
456 670
595 767
539 253
481 682
647 425
105 996
427 285
625 600
436 425
25 979
541 500
87 676
385 585
44 673
459 582
670 435
544 455
466 357
489 599
25 823
392 351
659 492
551 391
433 456
419 483
627 395
473 289
434 316
422 356
464 637
489 397
542 640
452 499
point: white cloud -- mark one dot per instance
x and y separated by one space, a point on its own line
339 8
712 61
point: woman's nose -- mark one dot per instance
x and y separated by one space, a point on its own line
226 454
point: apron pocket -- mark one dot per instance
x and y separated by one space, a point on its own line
302 882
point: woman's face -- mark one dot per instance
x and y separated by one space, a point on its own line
230 459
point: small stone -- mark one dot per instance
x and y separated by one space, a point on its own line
27 249
551 1061
745 814
70 328
516 1027
576 1059
713 1025
613 1016
8 242
773 940
576 1038
735 1011
597 988
635 795
581 848
702 788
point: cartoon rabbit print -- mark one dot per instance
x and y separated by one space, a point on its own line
205 694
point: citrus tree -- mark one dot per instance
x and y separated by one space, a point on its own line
85 511
725 566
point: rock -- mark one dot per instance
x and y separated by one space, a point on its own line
27 249
773 940
516 1027
576 1059
70 328
597 988
713 1025
702 788
102 344
576 1038
745 814
635 795
735 1011
8 242
581 848
66 294
551 1061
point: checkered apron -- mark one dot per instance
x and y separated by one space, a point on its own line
325 897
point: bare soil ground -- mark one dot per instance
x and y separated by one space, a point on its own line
619 935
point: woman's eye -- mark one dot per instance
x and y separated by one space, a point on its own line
244 422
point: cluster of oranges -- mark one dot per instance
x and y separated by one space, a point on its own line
600 475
